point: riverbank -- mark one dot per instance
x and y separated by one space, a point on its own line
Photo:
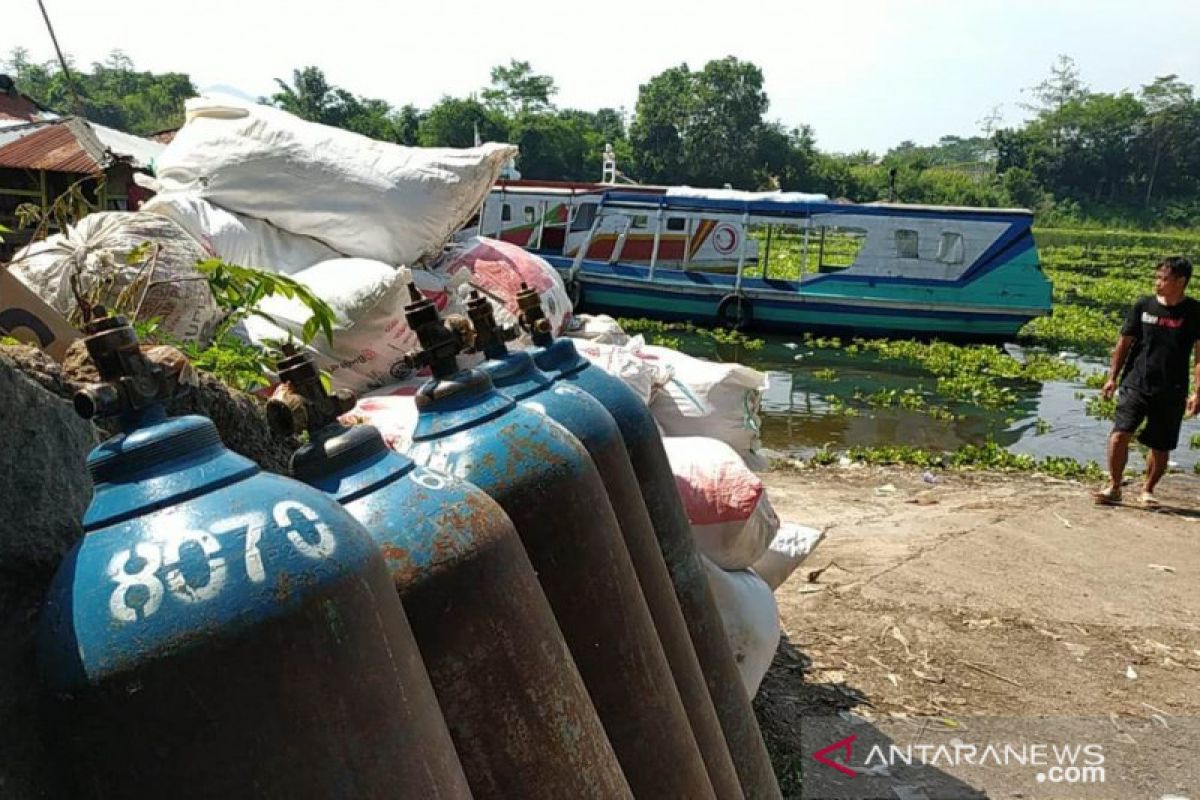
991 595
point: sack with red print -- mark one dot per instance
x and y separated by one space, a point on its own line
497 269
726 503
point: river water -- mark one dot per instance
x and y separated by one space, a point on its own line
798 419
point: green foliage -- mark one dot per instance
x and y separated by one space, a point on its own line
310 96
1100 408
1041 427
453 122
701 128
232 361
517 90
825 374
114 93
726 342
238 291
911 399
838 407
990 456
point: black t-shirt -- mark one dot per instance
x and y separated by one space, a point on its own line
1165 335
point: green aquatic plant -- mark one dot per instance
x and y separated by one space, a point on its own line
989 456
1096 406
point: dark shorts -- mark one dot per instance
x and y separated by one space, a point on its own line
1163 414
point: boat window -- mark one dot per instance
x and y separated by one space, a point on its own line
529 215
506 213
838 247
676 223
584 216
950 248
639 221
775 252
906 244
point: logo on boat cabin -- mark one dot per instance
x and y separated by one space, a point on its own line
1162 322
725 239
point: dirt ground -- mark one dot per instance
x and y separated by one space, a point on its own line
1010 606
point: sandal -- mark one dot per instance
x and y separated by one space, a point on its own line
1106 496
1148 500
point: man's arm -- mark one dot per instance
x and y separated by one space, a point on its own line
1120 353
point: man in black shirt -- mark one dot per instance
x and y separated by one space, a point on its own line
1161 332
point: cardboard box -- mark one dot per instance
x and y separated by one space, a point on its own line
24 316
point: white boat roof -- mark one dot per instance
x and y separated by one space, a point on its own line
747 197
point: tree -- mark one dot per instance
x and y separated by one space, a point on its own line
114 93
454 122
661 119
310 96
1171 116
1061 87
516 89
701 127
787 158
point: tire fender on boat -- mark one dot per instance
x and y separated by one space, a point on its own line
735 311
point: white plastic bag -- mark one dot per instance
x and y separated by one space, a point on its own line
371 336
497 269
643 376
787 552
361 197
726 503
97 246
751 619
238 239
704 398
599 328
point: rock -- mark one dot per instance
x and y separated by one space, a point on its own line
42 468
46 490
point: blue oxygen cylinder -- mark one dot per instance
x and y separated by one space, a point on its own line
223 632
559 359
516 376
543 479
514 702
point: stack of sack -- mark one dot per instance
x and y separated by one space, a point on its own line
351 218
709 416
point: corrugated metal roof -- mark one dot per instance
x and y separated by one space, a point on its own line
17 130
66 146
20 107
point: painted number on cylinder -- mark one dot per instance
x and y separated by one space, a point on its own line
430 480
140 589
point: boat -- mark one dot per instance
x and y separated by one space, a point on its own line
781 261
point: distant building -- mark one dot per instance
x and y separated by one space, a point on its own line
42 154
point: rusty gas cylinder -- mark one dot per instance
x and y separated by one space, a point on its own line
543 478
515 704
224 632
515 375
559 359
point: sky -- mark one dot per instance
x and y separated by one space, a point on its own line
865 74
